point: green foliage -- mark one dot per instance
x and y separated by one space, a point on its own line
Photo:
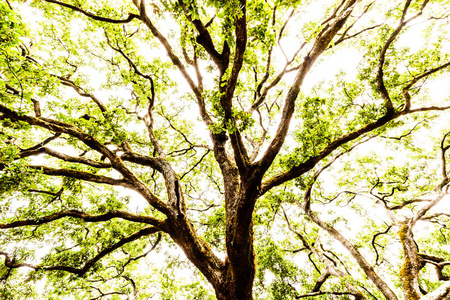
16 177
73 76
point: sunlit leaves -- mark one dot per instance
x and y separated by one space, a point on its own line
114 93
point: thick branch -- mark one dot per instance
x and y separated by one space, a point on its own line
410 268
131 16
84 216
85 176
60 127
204 39
381 60
312 161
10 263
64 157
314 294
440 293
318 48
226 100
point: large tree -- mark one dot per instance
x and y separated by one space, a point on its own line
269 149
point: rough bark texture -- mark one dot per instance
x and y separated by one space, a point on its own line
410 267
233 277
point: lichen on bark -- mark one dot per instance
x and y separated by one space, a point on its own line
407 270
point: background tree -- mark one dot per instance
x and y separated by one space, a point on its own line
241 133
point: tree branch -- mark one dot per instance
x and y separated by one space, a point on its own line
226 100
85 217
314 294
320 45
130 17
205 40
312 161
406 89
129 179
85 176
36 103
64 157
381 60
82 92
10 262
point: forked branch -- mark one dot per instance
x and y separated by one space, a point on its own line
11 263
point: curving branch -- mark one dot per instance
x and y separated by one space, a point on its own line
64 157
85 217
362 262
374 243
12 264
82 92
148 117
320 45
413 261
130 17
81 175
219 139
307 165
416 78
331 268
128 155
175 60
365 266
381 59
129 178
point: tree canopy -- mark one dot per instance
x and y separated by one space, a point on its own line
264 149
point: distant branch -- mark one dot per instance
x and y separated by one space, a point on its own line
325 293
82 92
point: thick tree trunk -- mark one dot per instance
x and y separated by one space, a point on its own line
234 290
410 268
241 266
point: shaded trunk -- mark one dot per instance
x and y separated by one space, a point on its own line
233 289
240 263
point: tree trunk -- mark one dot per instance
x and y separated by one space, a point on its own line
240 263
234 290
410 268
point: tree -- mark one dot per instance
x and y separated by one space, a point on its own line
133 130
